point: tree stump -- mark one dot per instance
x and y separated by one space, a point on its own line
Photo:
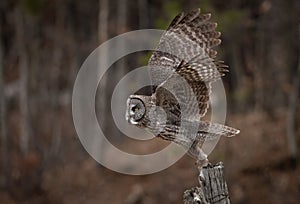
213 189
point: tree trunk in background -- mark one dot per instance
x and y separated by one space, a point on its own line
237 73
258 66
119 70
101 99
103 21
122 17
278 53
56 69
292 111
3 131
23 64
143 14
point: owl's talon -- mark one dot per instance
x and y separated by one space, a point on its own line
201 179
209 164
202 163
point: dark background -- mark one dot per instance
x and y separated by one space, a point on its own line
44 42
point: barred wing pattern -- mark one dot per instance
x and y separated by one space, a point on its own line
185 49
191 38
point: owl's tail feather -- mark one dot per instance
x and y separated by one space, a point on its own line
214 129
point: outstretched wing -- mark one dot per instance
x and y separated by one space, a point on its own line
190 37
186 135
185 51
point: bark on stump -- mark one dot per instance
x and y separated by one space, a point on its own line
212 190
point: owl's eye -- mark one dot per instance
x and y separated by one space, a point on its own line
135 108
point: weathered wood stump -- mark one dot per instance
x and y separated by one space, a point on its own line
213 188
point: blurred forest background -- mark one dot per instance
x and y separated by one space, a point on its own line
44 42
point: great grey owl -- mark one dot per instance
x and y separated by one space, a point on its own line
182 68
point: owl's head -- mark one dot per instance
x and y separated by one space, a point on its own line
136 109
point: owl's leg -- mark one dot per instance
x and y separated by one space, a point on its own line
201 157
198 154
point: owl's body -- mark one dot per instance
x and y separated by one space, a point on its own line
182 68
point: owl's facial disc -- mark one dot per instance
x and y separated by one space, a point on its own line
135 110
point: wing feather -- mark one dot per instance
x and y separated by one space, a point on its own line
190 36
185 50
